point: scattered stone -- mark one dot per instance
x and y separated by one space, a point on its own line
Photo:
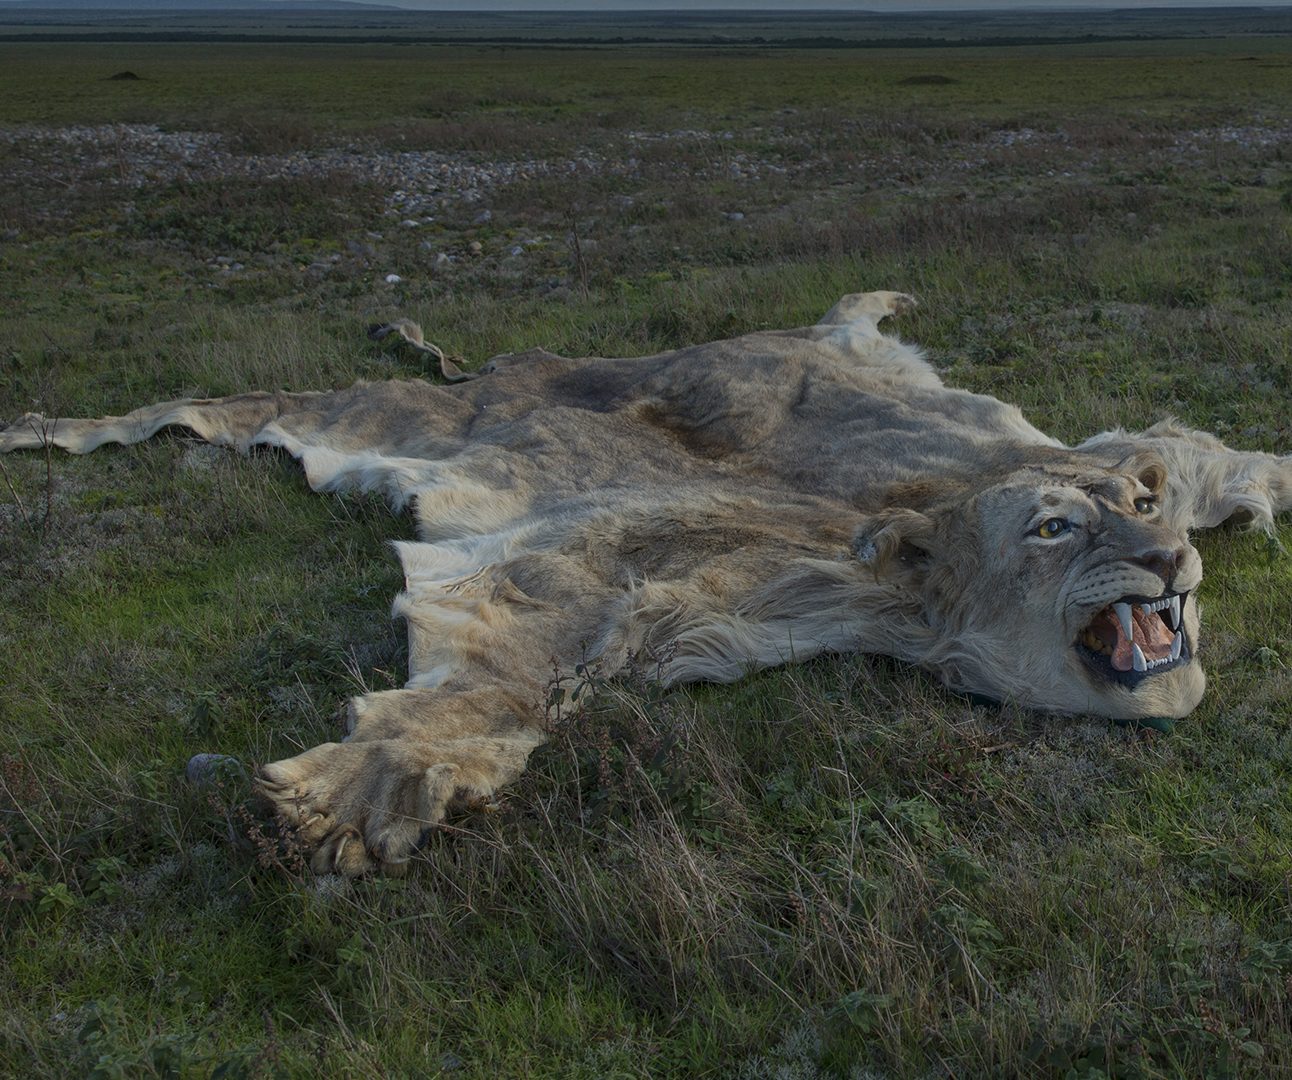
927 80
195 459
442 260
419 185
204 769
410 223
475 247
393 279
518 250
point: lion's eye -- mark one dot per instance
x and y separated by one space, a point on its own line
1144 505
1052 527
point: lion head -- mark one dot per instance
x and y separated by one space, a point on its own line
1063 584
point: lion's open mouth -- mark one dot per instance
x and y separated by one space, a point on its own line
1136 637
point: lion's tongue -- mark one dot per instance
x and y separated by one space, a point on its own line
1150 634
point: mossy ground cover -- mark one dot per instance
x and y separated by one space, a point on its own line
836 869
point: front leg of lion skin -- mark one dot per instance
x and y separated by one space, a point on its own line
1208 482
413 756
481 650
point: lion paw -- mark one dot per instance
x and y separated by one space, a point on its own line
883 304
865 310
364 806
360 806
28 432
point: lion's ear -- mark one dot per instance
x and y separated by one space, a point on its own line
1147 467
895 543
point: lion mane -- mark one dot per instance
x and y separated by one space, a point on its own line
713 510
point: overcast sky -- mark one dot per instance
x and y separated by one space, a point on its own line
830 5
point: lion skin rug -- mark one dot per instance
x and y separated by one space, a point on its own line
716 509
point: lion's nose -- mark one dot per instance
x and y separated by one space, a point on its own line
1164 562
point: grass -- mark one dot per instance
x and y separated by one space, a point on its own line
835 869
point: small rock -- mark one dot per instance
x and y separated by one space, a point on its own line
475 247
196 459
483 218
364 251
393 279
203 769
735 215
442 260
410 223
518 250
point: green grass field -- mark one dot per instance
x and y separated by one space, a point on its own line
838 869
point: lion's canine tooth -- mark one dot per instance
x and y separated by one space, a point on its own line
1177 644
1137 659
1124 617
1173 611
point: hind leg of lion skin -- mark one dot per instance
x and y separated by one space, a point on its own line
229 421
414 755
867 309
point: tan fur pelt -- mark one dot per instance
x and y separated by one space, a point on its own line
728 506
